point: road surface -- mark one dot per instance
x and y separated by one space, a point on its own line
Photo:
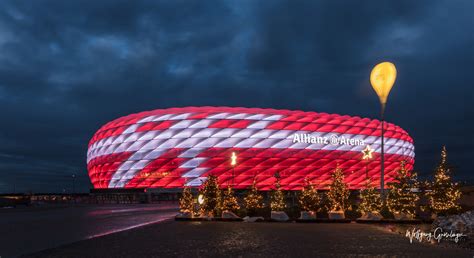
31 229
238 239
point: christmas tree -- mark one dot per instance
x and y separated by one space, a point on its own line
277 200
186 202
212 196
229 201
400 198
253 200
309 197
338 194
370 199
444 193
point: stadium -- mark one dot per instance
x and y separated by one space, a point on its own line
171 148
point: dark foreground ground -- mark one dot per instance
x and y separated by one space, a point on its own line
224 239
31 229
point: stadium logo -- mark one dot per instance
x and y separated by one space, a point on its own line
333 139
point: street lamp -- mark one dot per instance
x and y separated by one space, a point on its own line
382 79
233 162
367 155
200 199
73 183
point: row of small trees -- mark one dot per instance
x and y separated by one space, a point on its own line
442 194
402 198
405 191
216 200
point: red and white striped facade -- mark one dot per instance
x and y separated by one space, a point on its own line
170 148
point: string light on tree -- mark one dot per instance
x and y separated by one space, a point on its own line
186 202
277 200
444 194
370 199
338 194
401 199
229 201
309 198
253 200
211 196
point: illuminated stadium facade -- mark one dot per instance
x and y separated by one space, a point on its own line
170 148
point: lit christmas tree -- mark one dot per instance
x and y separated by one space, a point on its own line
309 198
370 199
338 194
186 202
229 201
277 199
212 196
444 194
400 198
253 200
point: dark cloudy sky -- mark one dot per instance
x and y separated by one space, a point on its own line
68 67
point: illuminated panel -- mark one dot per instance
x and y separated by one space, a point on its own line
170 148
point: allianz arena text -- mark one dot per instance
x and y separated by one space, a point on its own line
171 148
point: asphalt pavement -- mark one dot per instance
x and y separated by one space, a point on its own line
31 229
264 239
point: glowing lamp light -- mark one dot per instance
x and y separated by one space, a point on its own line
233 159
200 199
382 79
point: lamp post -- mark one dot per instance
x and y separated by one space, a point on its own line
233 162
200 198
73 183
382 79
74 187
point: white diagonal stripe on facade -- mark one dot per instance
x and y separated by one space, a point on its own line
285 135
